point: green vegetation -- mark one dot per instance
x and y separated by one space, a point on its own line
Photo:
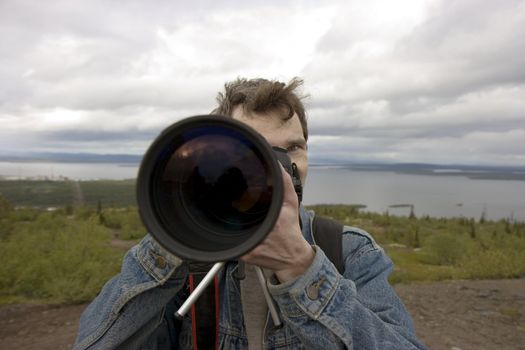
114 193
37 193
432 249
125 221
66 254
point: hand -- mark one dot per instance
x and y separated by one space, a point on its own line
284 250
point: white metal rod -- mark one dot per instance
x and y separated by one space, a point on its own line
185 307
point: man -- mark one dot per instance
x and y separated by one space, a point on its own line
319 307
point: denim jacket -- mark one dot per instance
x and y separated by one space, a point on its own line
357 310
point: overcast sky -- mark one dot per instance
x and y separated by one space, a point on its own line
398 81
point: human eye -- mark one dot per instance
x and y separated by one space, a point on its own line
296 147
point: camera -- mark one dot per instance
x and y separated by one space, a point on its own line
210 188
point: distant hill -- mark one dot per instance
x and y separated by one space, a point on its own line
471 171
71 157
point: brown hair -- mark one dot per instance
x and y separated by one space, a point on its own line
262 96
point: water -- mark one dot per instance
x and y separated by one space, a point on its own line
75 171
437 196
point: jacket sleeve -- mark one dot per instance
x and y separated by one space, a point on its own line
358 310
131 306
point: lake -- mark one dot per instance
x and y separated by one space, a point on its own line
437 196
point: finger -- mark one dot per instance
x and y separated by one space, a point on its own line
290 196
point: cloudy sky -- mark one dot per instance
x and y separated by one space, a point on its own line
399 81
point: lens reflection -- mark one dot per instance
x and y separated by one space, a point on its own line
216 182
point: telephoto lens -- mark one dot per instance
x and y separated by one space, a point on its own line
209 188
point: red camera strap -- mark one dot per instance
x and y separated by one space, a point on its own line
205 314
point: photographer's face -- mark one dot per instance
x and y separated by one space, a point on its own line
287 134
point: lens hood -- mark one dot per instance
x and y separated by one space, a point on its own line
209 188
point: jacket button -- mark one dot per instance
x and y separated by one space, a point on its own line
313 291
160 262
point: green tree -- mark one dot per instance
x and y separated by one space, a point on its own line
412 214
5 207
472 229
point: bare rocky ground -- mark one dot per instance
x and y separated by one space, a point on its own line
448 315
465 315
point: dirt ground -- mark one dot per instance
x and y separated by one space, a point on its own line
455 315
468 315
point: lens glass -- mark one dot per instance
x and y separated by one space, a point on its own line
217 184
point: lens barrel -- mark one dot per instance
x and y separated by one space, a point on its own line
209 188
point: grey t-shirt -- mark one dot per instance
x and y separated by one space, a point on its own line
254 307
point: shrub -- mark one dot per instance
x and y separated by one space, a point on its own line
5 207
493 263
83 212
444 248
126 221
24 214
58 259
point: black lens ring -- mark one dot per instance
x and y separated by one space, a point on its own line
151 164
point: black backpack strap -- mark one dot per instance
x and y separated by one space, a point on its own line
328 234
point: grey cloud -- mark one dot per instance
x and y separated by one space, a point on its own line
132 142
456 75
96 55
111 94
469 46
98 136
453 81
463 46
